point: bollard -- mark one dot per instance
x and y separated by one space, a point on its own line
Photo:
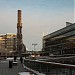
14 58
10 64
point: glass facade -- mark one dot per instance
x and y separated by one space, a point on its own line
61 41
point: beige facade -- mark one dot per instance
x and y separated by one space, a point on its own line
8 44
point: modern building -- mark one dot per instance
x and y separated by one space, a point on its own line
61 41
8 44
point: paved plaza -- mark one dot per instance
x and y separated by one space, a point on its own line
5 70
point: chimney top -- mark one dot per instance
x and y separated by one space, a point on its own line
19 17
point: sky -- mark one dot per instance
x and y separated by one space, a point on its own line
38 17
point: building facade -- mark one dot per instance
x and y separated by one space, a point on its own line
8 44
61 41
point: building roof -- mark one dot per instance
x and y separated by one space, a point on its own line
60 31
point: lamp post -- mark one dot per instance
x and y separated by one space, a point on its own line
6 52
6 44
34 44
14 46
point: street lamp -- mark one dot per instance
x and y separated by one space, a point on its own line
6 52
34 44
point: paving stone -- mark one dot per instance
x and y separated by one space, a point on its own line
5 70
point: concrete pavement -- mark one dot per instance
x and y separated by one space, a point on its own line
5 70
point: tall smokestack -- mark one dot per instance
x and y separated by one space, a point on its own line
19 32
19 18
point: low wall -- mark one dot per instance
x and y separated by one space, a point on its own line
50 67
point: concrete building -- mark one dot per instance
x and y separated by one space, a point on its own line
61 41
8 44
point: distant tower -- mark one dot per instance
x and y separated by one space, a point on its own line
19 32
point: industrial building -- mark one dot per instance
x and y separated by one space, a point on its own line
13 43
8 44
60 42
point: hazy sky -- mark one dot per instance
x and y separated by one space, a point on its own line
38 16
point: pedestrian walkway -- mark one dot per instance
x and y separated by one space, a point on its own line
5 70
